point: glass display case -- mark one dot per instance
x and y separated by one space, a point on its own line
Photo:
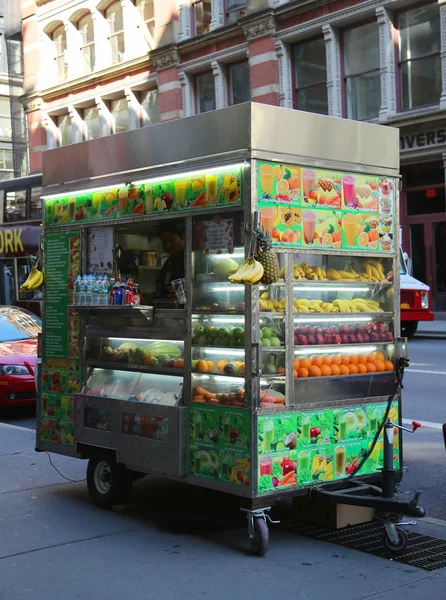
218 390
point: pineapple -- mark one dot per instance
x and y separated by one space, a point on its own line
266 257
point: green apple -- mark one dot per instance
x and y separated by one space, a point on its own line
199 330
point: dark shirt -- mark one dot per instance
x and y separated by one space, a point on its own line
172 269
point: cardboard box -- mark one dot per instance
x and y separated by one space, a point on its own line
335 516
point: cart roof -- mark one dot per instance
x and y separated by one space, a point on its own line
249 130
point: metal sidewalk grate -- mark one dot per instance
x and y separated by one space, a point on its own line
423 551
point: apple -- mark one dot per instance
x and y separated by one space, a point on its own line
359 338
344 329
382 327
351 338
366 338
311 340
344 338
318 330
328 338
375 337
336 329
320 339
389 336
240 306
296 339
309 330
302 340
362 329
329 331
214 306
383 337
337 339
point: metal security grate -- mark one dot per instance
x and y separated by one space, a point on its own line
423 551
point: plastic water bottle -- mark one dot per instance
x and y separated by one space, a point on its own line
97 285
77 290
89 291
82 291
103 297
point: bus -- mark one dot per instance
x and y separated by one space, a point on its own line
20 232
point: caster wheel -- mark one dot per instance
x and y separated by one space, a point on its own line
260 542
403 541
108 482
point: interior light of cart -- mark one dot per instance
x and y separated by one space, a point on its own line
338 350
232 288
115 339
191 173
229 320
334 319
224 352
233 255
97 189
329 289
272 380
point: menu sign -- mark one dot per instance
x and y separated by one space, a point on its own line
321 208
220 444
309 448
100 250
61 373
211 189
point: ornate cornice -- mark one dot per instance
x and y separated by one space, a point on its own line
165 58
30 104
259 25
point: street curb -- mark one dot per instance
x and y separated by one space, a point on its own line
440 335
433 521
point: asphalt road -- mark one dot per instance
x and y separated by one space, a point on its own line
423 400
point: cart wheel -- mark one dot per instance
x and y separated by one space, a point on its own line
403 541
260 541
108 482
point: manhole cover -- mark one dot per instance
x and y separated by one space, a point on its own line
423 551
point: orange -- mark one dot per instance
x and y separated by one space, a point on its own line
363 239
221 365
344 369
352 369
380 366
327 239
211 365
362 368
362 359
326 360
378 356
241 369
335 370
303 372
316 360
336 359
179 363
388 365
305 363
296 363
296 374
345 359
373 235
201 366
280 370
325 370
371 368
369 358
337 235
314 371
354 359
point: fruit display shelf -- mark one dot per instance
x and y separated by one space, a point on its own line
99 364
362 330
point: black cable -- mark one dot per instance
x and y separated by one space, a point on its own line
402 364
67 478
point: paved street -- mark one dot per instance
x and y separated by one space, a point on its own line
180 542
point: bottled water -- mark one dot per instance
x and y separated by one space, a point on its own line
97 285
77 290
89 291
104 292
83 291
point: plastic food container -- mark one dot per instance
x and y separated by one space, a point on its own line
148 258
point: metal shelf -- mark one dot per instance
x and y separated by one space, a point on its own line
117 366
330 316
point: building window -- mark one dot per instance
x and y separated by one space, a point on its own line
205 92
5 119
92 123
310 71
59 39
114 16
202 15
121 117
151 109
63 124
419 56
15 205
86 29
424 189
6 164
234 9
239 83
147 14
362 82
36 203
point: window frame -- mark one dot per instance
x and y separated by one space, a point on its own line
399 62
115 33
294 77
228 11
10 172
59 136
148 21
28 196
344 77
418 188
230 99
85 133
195 90
89 45
61 55
110 107
194 20
142 121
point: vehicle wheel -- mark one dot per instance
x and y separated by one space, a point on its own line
403 541
409 328
108 482
260 542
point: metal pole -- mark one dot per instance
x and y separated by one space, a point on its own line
388 473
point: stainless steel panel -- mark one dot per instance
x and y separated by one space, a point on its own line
200 136
322 139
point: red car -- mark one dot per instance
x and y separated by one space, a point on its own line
18 354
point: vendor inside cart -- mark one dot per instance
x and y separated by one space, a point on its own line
171 234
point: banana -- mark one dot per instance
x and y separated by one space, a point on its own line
345 275
333 275
33 281
303 301
375 273
264 296
238 276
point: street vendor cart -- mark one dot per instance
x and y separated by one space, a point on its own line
272 369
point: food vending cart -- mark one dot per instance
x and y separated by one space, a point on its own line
261 389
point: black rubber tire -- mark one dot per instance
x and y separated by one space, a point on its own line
119 484
409 328
260 542
403 541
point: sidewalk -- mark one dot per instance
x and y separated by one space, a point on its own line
436 328
175 542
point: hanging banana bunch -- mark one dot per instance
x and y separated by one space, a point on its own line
251 270
34 279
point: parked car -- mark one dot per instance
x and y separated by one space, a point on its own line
18 354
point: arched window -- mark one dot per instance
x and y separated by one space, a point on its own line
59 39
86 30
113 14
147 14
